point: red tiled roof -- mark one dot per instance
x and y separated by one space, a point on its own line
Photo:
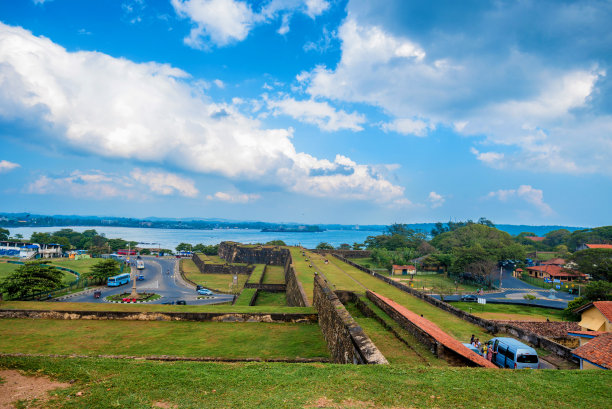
597 351
407 267
599 246
519 269
591 333
555 271
554 262
605 307
535 238
435 332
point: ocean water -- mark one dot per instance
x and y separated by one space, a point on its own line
170 238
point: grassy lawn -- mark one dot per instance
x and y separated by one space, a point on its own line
364 261
274 275
7 268
334 274
216 282
83 306
510 312
436 283
448 322
245 296
80 266
181 338
106 383
257 273
272 299
304 273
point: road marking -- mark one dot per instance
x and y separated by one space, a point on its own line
151 286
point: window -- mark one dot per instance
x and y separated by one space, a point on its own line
527 359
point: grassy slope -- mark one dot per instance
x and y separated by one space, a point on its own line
257 273
216 282
271 299
182 338
453 325
80 306
245 297
304 273
109 383
8 268
499 311
274 275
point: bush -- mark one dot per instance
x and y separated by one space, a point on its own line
529 297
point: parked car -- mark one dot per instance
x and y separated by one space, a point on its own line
469 298
140 277
513 354
472 348
198 287
181 302
204 291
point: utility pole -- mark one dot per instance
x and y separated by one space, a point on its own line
501 273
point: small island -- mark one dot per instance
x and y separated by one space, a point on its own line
293 229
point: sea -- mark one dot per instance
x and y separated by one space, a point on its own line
170 238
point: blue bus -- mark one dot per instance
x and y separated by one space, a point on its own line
118 280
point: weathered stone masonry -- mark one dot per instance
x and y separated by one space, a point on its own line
346 341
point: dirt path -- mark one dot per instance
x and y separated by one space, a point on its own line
16 387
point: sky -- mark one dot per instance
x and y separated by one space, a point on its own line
308 111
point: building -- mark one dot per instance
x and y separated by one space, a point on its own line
50 250
595 350
403 270
125 252
554 272
596 316
535 238
18 249
594 246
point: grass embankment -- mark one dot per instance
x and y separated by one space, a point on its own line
245 297
215 282
107 383
346 277
257 273
271 299
80 266
274 275
510 312
305 274
83 306
180 338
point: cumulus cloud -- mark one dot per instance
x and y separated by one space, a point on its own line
100 185
232 197
526 193
537 113
435 199
222 22
6 166
153 113
318 113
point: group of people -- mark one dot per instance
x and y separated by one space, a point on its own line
478 345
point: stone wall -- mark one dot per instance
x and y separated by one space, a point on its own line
209 268
346 341
491 326
345 253
296 296
272 288
159 316
236 253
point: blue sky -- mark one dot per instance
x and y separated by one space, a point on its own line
314 111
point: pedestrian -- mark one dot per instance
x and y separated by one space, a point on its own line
472 339
484 350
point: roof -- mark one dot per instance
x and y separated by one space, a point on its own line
597 351
535 238
554 261
585 334
519 269
408 267
555 271
599 246
605 307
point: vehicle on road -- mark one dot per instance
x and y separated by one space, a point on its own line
140 277
181 302
168 303
472 348
513 354
97 294
118 280
204 291
469 298
198 287
140 265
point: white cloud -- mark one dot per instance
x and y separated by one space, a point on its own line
6 166
165 183
493 159
321 114
40 1
435 199
223 22
219 83
151 113
526 193
232 197
407 126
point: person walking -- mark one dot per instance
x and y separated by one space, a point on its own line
472 339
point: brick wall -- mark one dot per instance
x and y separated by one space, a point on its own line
346 341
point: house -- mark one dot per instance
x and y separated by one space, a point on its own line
403 270
596 351
518 273
535 238
594 246
596 316
554 262
50 250
554 272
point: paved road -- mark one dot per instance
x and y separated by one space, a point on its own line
161 277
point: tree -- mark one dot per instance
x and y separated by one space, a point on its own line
357 246
40 238
595 262
32 278
324 246
184 247
104 269
275 243
556 237
344 246
208 250
4 234
598 291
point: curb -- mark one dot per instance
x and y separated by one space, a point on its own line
130 302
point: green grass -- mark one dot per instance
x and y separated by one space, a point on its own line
216 282
80 266
448 322
245 297
7 268
272 299
510 311
436 283
107 383
305 274
180 338
83 306
257 273
274 275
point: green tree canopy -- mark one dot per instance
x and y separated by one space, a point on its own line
4 234
32 278
597 235
344 246
598 291
490 239
324 246
357 246
208 250
275 243
104 269
595 262
184 247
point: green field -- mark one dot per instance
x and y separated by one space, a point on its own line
257 273
107 383
215 282
274 275
305 274
436 283
245 296
510 312
271 299
180 338
68 278
347 277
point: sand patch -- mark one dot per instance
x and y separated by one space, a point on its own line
17 387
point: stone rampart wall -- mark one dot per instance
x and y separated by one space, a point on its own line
159 316
491 326
296 296
272 288
208 268
237 253
346 341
